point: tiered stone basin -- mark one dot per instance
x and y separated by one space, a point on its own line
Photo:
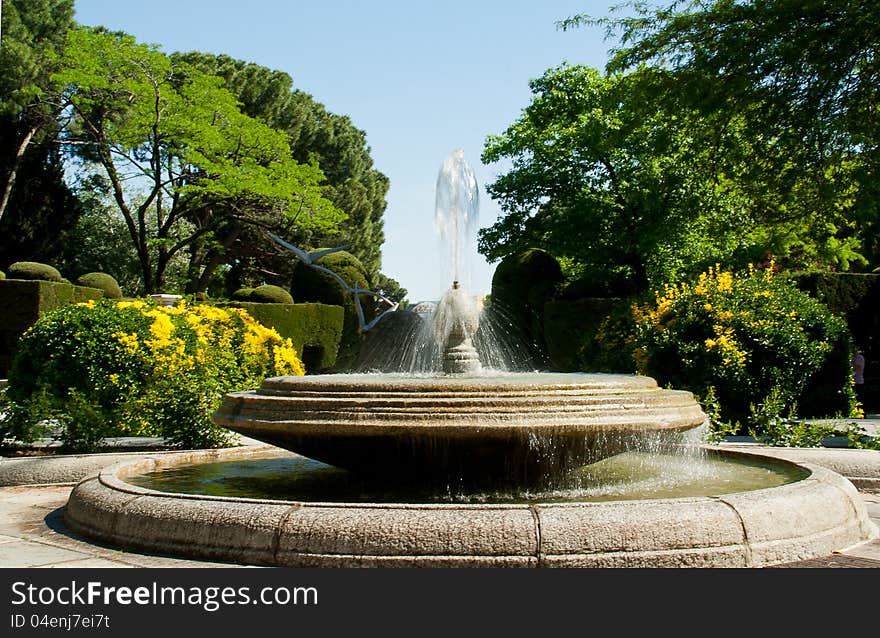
518 428
807 518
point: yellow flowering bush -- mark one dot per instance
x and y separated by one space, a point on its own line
746 338
133 368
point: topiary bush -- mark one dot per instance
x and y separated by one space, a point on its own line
132 368
314 329
521 286
103 282
312 285
750 339
35 271
270 294
243 294
2 275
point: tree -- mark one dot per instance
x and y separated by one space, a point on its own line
802 77
183 162
341 150
611 183
36 207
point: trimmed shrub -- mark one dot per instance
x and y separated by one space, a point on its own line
243 294
34 270
132 368
103 282
522 284
2 275
23 302
311 327
268 293
751 339
312 285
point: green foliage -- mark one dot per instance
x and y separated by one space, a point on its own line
33 32
117 368
37 208
312 285
391 289
208 168
270 294
103 282
341 150
718 428
806 112
601 153
243 294
590 334
2 275
34 271
754 338
314 329
100 240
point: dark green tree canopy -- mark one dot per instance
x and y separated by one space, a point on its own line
36 206
185 166
802 80
339 148
608 181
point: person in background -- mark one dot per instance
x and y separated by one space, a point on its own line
858 369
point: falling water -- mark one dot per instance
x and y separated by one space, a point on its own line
456 211
401 344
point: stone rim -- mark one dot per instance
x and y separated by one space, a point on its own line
805 519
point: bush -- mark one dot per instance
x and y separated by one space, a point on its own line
243 294
132 368
522 284
2 275
314 329
270 294
590 335
314 286
35 271
103 282
750 339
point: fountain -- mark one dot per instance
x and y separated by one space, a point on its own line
461 464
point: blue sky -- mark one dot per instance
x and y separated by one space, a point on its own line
421 78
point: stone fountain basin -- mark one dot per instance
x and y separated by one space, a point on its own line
520 427
808 518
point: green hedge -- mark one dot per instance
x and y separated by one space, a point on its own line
315 329
590 335
522 284
34 270
23 301
315 286
103 282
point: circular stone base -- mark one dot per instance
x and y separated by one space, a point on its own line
521 428
809 518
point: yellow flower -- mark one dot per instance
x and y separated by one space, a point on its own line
129 341
286 360
725 282
87 304
137 304
162 328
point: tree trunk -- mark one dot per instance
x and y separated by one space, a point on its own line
16 164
